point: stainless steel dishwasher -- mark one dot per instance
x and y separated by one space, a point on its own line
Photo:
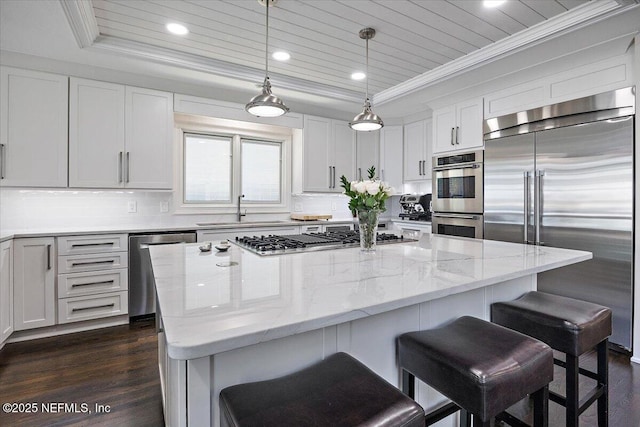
142 292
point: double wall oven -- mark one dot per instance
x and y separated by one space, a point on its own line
458 194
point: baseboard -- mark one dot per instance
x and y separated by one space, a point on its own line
69 328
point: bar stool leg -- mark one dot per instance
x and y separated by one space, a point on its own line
572 398
408 384
603 380
541 407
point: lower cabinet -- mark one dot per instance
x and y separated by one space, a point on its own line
34 297
6 290
93 277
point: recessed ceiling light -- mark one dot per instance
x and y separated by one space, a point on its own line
493 3
359 75
178 29
281 55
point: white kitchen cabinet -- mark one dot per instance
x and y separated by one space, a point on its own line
119 136
367 153
34 301
458 127
33 128
329 153
391 140
417 150
6 290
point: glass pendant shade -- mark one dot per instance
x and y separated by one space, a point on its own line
367 120
266 104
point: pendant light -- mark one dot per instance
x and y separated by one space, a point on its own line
367 120
266 104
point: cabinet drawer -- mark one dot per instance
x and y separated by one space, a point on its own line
90 283
94 307
110 261
91 244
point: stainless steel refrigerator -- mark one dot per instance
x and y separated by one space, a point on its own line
562 176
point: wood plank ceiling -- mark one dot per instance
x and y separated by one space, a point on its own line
413 36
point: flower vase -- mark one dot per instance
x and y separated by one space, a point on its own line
368 225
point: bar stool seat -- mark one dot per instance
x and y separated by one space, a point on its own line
482 367
338 391
572 327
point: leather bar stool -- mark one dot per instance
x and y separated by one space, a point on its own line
572 327
482 367
338 391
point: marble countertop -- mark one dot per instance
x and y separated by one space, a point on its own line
218 301
72 231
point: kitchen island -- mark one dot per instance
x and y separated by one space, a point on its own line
233 317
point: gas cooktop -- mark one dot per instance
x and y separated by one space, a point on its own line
295 243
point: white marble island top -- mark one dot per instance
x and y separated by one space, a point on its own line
208 307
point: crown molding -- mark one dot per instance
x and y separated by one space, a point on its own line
82 21
576 18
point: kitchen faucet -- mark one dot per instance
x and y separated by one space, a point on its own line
240 215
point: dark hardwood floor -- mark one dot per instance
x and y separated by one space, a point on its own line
115 366
118 367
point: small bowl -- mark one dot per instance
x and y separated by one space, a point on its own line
205 248
223 246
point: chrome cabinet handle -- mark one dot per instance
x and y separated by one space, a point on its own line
330 178
334 177
2 162
382 174
77 245
49 257
458 135
120 167
128 165
76 264
360 174
93 307
538 205
527 176
452 140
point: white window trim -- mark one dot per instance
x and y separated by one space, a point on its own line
213 126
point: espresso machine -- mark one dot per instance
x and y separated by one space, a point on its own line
416 207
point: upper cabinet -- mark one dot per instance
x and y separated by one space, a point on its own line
367 153
417 150
119 136
329 152
33 128
391 139
458 127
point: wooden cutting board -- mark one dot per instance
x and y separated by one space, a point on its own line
309 217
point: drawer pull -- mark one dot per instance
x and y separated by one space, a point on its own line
77 285
78 245
76 264
94 307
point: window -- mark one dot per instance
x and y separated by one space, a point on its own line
207 168
221 161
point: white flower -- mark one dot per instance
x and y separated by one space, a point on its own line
373 187
359 186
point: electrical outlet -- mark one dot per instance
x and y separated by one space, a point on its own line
333 206
297 207
164 206
132 206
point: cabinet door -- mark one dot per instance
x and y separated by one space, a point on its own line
367 149
6 290
444 124
414 156
469 120
33 128
343 159
96 134
34 283
391 156
316 173
148 136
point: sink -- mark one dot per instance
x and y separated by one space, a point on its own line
247 223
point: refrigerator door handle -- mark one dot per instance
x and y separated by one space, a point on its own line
527 185
538 205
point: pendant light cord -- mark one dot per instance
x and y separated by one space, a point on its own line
367 70
266 48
